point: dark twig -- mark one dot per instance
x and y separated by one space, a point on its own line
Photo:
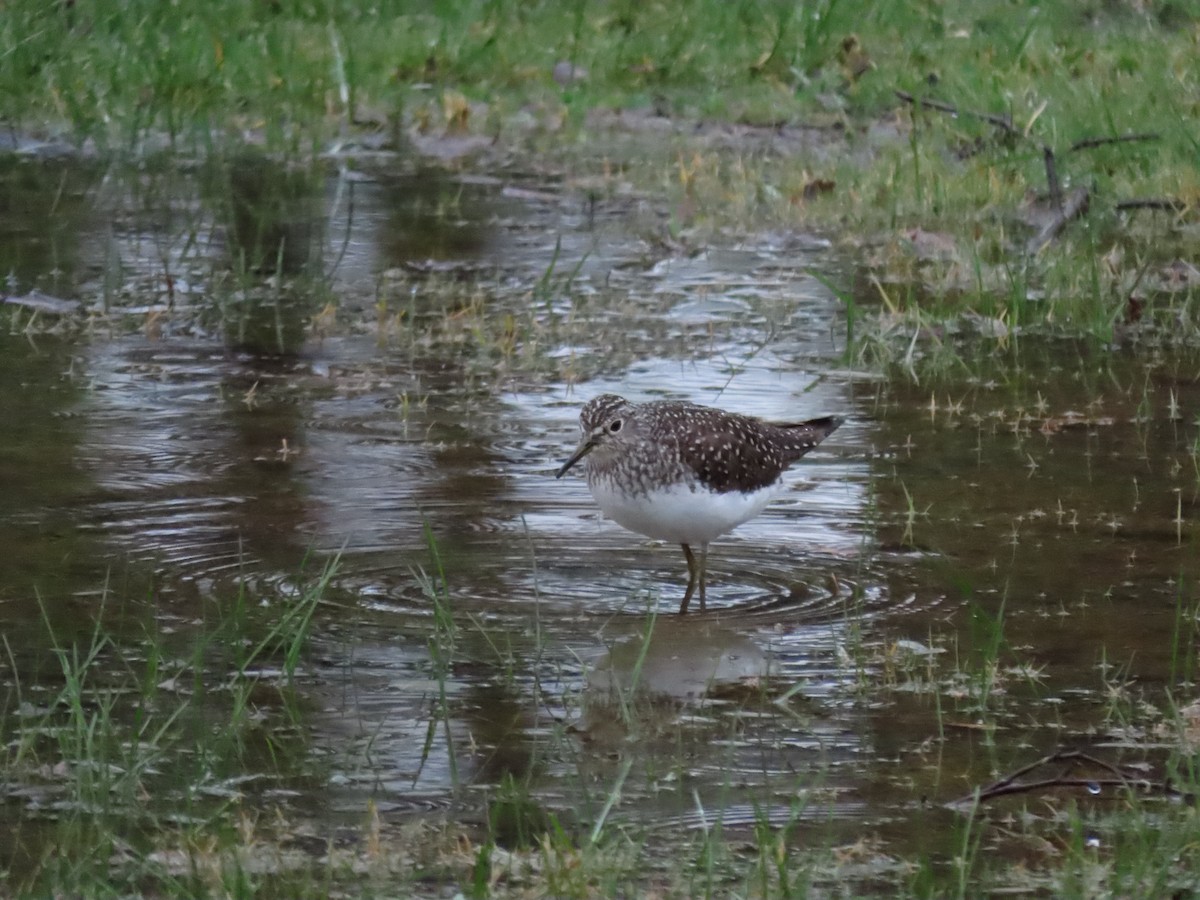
1141 273
1056 196
1089 143
1010 784
1076 205
1068 207
1071 756
1002 122
1133 304
1171 204
1029 787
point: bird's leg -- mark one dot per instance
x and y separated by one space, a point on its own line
687 595
696 571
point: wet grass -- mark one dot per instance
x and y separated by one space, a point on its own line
126 742
164 763
981 707
148 767
937 203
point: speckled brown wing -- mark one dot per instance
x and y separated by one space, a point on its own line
731 452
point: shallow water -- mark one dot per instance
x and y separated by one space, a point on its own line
956 577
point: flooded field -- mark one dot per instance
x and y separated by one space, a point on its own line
279 511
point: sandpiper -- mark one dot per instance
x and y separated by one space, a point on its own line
680 472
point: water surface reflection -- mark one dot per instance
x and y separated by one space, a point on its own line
485 626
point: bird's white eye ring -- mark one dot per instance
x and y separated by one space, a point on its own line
614 426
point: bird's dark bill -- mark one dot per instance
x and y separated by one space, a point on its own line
584 449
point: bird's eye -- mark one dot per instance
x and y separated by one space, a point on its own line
614 426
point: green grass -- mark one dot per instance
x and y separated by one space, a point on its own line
858 164
298 71
140 745
137 761
133 742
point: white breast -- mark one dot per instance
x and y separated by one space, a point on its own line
680 514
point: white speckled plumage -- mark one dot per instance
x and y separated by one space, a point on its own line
681 472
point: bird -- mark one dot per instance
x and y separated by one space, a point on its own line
681 472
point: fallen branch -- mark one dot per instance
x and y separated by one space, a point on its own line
1056 196
1004 123
1069 207
1169 204
1089 143
1075 205
1095 785
1011 784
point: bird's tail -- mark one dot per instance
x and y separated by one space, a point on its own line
806 435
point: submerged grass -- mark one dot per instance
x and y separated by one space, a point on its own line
935 204
134 743
140 769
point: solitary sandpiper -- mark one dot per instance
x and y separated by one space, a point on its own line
680 472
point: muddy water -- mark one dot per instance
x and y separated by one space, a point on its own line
952 586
